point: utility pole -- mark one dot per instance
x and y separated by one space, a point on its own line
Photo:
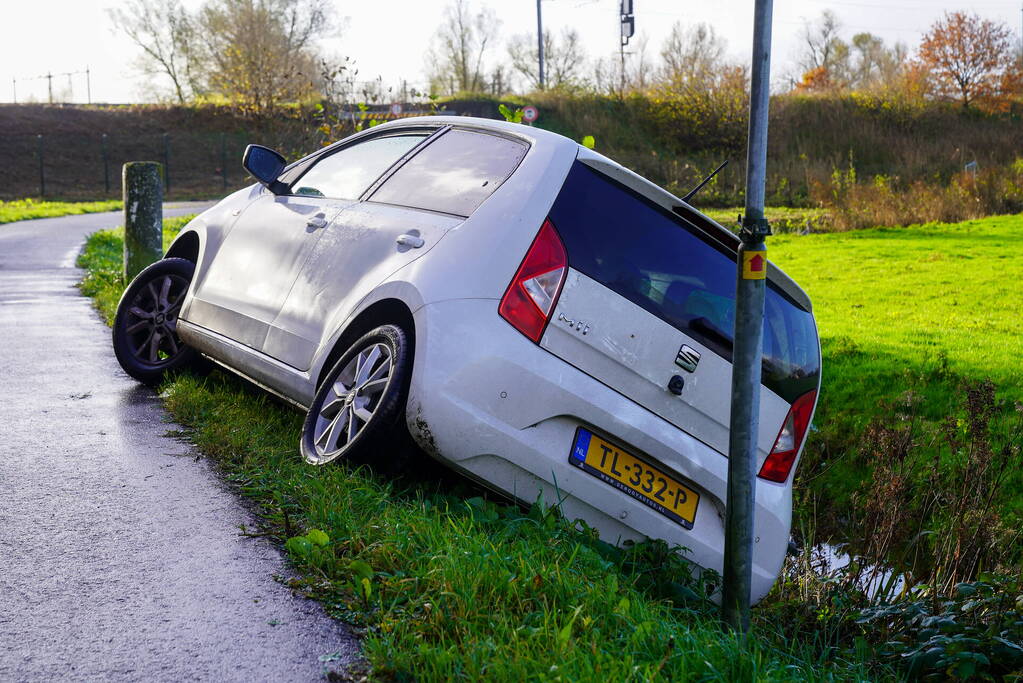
539 43
15 86
628 26
88 87
748 339
49 85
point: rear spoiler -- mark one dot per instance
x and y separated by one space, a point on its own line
708 226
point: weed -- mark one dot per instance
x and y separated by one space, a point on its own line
975 631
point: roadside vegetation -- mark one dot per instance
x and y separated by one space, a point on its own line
448 584
873 132
24 209
915 465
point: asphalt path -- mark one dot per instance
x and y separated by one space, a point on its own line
120 552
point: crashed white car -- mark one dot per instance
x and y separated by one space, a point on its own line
536 316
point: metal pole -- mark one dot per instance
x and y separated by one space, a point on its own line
539 44
42 173
622 51
49 85
88 87
15 82
747 349
166 162
106 163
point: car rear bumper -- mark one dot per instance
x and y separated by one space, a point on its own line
504 411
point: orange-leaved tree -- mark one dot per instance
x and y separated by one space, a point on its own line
970 59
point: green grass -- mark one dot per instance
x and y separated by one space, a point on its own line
102 261
918 309
24 209
450 586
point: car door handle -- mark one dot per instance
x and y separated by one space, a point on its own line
409 240
317 221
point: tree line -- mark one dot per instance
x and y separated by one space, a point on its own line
260 54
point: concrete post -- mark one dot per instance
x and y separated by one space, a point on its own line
143 216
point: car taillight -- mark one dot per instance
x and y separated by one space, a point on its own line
779 463
529 300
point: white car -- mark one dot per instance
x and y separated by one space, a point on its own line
536 316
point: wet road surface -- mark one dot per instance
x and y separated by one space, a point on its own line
120 554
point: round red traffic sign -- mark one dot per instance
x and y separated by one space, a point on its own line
395 109
530 113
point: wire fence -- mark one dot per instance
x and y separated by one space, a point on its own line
76 164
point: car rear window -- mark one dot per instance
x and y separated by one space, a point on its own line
659 261
454 173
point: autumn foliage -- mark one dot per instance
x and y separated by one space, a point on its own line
971 60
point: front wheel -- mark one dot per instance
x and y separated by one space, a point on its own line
145 333
358 410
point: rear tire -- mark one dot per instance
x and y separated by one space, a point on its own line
145 336
358 412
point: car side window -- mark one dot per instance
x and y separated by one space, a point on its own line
454 173
347 173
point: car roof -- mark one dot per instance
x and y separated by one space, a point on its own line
514 129
613 169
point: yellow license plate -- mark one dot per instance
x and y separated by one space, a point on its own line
634 477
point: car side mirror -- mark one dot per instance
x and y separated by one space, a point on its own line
266 166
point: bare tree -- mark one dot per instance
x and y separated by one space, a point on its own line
563 59
873 63
500 80
460 47
822 45
164 31
691 54
970 58
830 64
260 53
702 89
637 76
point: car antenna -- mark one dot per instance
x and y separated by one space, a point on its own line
706 180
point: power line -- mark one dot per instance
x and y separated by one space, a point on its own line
48 77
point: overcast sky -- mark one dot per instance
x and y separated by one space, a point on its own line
389 38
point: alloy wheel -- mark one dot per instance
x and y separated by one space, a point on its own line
152 320
352 400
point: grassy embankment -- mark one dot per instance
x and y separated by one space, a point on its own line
24 209
452 586
870 160
907 316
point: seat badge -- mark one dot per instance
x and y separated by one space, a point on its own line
688 358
